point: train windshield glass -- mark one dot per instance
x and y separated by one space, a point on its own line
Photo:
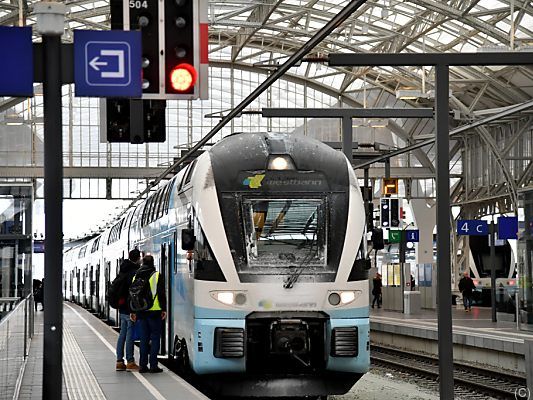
285 232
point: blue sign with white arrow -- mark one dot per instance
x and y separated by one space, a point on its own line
16 78
412 235
472 227
107 63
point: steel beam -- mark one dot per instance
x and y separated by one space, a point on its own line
347 112
420 59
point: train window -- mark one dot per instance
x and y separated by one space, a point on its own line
96 244
81 254
157 206
114 234
146 213
167 197
285 232
162 201
189 173
153 206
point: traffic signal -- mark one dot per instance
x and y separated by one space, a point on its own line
395 213
180 73
385 212
135 121
144 16
389 186
377 239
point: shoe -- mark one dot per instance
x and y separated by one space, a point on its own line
131 366
120 366
379 306
155 370
143 370
467 310
372 306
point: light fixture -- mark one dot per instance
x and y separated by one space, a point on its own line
410 94
341 297
280 163
378 123
13 120
231 298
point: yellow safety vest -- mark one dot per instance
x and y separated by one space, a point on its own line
154 279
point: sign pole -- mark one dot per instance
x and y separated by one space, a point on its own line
50 23
493 270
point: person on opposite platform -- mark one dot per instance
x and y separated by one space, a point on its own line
376 290
466 287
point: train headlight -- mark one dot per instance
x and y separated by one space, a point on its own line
280 163
341 297
347 297
334 299
230 298
225 297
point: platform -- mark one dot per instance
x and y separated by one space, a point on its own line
475 337
89 365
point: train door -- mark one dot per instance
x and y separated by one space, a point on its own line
97 289
91 288
84 288
165 271
71 297
107 282
117 316
78 286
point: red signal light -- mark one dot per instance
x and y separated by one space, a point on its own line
183 77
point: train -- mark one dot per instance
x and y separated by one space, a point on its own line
261 243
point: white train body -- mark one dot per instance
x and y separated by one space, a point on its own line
272 293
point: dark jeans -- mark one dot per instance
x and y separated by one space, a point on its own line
377 297
150 325
467 301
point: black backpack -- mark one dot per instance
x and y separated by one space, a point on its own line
141 297
117 290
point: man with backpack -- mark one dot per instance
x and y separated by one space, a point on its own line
148 303
118 298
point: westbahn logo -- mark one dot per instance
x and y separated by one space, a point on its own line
254 182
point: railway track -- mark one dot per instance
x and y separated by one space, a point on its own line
470 382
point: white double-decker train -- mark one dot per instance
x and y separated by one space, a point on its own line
259 240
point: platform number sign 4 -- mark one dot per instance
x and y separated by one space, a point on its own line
138 4
472 227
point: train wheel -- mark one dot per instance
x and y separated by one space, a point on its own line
181 357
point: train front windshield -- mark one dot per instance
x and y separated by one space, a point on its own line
285 232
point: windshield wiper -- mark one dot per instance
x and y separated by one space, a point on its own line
280 217
293 278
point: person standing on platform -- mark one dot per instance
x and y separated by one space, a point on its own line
150 320
38 293
466 287
126 274
376 290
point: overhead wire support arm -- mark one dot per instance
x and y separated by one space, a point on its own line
306 48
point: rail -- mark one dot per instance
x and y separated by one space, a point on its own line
16 330
470 382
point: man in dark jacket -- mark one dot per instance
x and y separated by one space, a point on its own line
128 268
150 320
376 290
466 287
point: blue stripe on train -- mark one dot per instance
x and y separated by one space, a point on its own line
203 312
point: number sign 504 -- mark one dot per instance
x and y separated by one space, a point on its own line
138 3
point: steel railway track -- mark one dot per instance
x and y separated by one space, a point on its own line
470 382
